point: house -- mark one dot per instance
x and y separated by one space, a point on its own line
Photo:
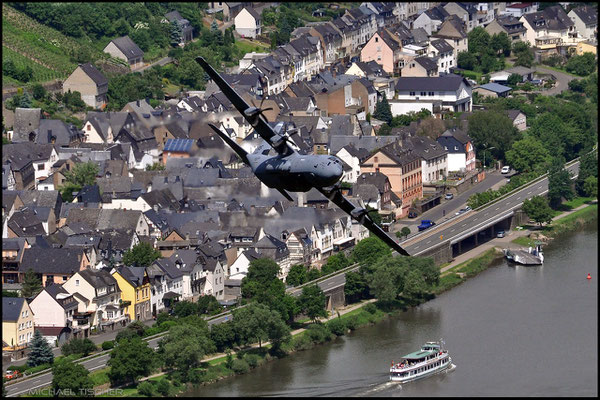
187 31
113 245
42 157
179 148
103 219
208 277
585 19
352 156
54 265
143 144
239 268
384 48
420 66
27 121
87 80
99 299
331 41
17 324
549 28
273 248
443 53
248 23
135 292
54 307
434 159
18 159
436 94
431 20
460 148
299 245
403 169
25 223
382 186
492 90
453 32
177 129
12 254
517 10
54 131
102 127
166 280
468 13
125 49
586 47
510 25
518 119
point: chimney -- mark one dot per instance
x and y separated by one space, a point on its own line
137 102
155 207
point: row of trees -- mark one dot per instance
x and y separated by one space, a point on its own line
20 73
486 53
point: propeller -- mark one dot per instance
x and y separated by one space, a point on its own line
253 113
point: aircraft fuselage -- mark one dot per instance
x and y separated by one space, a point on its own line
296 172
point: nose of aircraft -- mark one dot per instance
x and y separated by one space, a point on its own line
334 173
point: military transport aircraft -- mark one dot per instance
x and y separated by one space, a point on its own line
290 170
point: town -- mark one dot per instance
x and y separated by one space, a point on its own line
123 212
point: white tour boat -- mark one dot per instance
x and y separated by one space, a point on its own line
431 359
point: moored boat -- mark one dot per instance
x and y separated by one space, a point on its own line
431 359
530 256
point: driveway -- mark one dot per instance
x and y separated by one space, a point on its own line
562 80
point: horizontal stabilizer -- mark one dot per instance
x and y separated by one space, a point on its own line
234 146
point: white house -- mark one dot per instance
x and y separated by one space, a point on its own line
585 19
239 268
54 307
166 284
248 23
208 278
443 53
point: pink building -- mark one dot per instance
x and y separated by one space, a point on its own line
383 48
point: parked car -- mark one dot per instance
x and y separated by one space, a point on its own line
11 374
463 210
449 196
505 169
500 234
425 223
412 214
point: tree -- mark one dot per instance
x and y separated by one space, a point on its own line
368 251
383 111
39 92
83 346
466 60
431 127
588 167
514 79
261 273
501 43
582 65
479 40
185 346
590 186
134 330
32 284
523 53
184 308
312 302
40 353
176 33
387 279
559 183
130 360
208 305
356 287
70 379
223 336
312 274
493 128
251 323
297 275
414 285
405 231
527 155
81 175
384 130
537 209
338 261
141 255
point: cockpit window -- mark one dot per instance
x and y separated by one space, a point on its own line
335 160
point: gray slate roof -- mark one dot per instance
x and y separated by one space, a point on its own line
95 75
11 308
65 260
128 47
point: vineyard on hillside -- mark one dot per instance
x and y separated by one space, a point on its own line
47 51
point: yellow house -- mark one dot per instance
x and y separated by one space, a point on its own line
585 47
135 291
17 323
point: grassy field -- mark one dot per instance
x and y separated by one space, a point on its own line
40 73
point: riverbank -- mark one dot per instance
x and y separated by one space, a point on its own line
463 267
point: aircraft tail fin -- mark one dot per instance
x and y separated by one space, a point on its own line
234 146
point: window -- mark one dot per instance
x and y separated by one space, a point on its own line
109 314
412 93
40 167
76 282
89 127
65 278
431 93
423 93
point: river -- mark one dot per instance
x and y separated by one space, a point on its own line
511 331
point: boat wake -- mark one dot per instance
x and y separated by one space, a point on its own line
378 387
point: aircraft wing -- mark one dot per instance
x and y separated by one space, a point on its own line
360 215
250 113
